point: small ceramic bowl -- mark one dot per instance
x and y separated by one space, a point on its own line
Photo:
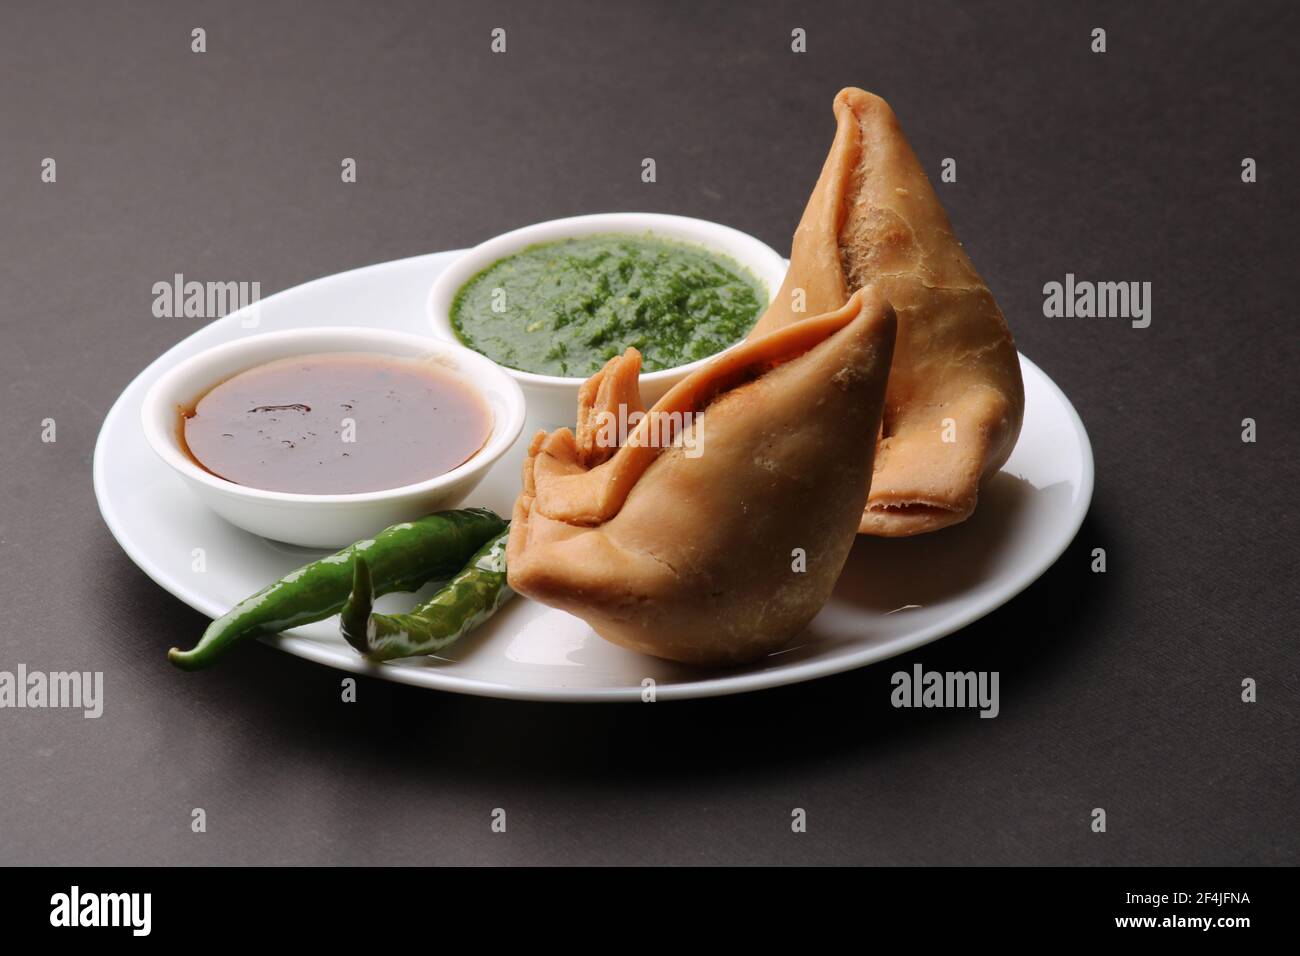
326 521
553 399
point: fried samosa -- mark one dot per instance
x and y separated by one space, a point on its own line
715 531
955 399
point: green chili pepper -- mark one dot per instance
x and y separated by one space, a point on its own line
400 558
469 599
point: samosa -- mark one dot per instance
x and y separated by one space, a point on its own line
955 400
715 530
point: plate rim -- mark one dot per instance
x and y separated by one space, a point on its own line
328 655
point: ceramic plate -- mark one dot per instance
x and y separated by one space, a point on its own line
894 595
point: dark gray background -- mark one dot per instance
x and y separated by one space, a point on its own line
1118 690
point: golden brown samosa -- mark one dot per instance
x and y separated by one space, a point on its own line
955 399
715 536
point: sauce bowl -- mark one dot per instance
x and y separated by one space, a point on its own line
334 520
553 399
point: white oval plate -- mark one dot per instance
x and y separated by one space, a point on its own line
894 595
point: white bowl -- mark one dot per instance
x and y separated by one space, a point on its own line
553 399
326 521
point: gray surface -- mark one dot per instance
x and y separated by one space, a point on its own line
1118 690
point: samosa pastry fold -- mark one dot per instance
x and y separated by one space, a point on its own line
955 399
723 545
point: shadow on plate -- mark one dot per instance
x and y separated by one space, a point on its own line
892 574
929 573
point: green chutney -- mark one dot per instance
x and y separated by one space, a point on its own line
566 307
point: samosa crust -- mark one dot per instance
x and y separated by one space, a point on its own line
694 557
955 399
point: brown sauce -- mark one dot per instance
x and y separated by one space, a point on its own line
336 423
